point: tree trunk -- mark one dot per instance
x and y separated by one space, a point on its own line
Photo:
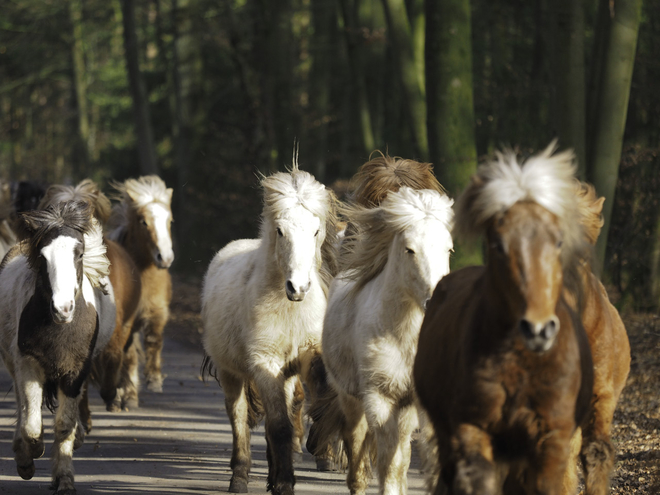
80 85
610 114
449 92
357 77
143 128
401 39
569 77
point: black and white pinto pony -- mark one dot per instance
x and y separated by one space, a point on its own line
58 311
263 303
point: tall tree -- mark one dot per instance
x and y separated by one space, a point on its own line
80 85
401 38
569 77
143 126
449 91
612 105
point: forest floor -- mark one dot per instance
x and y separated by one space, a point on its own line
636 427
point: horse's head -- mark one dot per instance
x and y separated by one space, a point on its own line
534 232
410 233
147 207
55 243
297 213
524 256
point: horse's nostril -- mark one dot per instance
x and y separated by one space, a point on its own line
550 329
289 287
159 257
526 328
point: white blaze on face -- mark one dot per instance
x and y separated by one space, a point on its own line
59 256
161 221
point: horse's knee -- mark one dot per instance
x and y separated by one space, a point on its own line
598 460
474 475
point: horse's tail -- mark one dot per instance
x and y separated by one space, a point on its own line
256 410
328 419
255 406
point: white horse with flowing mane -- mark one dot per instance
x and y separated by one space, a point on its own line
399 252
58 313
263 303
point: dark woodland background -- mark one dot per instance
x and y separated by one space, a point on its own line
210 93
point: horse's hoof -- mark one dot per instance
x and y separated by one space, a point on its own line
36 448
238 485
325 465
129 404
297 457
155 384
66 491
26 472
113 407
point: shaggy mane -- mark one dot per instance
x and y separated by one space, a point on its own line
285 190
75 215
547 178
134 194
590 208
366 250
86 191
383 174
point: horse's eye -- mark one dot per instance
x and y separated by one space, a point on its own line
317 233
143 222
410 251
498 246
560 244
279 232
80 255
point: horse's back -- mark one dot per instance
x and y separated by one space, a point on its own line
125 279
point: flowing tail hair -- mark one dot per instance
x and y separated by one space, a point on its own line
255 406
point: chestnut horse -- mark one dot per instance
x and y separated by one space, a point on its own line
504 368
115 368
610 349
141 224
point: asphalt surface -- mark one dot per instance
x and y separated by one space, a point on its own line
177 442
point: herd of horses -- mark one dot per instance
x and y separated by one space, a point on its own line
511 370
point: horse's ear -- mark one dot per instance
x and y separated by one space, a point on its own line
598 205
28 223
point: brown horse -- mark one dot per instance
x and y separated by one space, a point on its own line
115 368
141 223
611 356
503 367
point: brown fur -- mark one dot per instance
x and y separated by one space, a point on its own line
503 406
385 173
611 356
139 240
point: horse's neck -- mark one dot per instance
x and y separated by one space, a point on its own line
136 250
396 311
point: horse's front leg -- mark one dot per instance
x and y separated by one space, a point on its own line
355 433
471 463
153 346
548 471
597 452
129 381
236 404
392 428
279 430
295 395
29 438
66 424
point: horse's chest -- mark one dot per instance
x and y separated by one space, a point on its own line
61 349
388 369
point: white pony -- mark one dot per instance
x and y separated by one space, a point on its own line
263 303
393 262
58 313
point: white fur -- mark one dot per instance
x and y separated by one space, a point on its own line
59 256
161 218
264 299
370 331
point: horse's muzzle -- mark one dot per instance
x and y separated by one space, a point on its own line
296 294
539 336
63 313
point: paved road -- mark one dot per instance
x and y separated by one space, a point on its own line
178 442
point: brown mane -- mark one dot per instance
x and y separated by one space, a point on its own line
385 173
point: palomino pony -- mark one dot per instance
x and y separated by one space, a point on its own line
392 264
141 224
610 349
263 303
58 313
112 371
503 367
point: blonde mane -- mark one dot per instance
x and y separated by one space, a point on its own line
134 194
283 191
366 250
384 174
590 208
86 191
547 178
